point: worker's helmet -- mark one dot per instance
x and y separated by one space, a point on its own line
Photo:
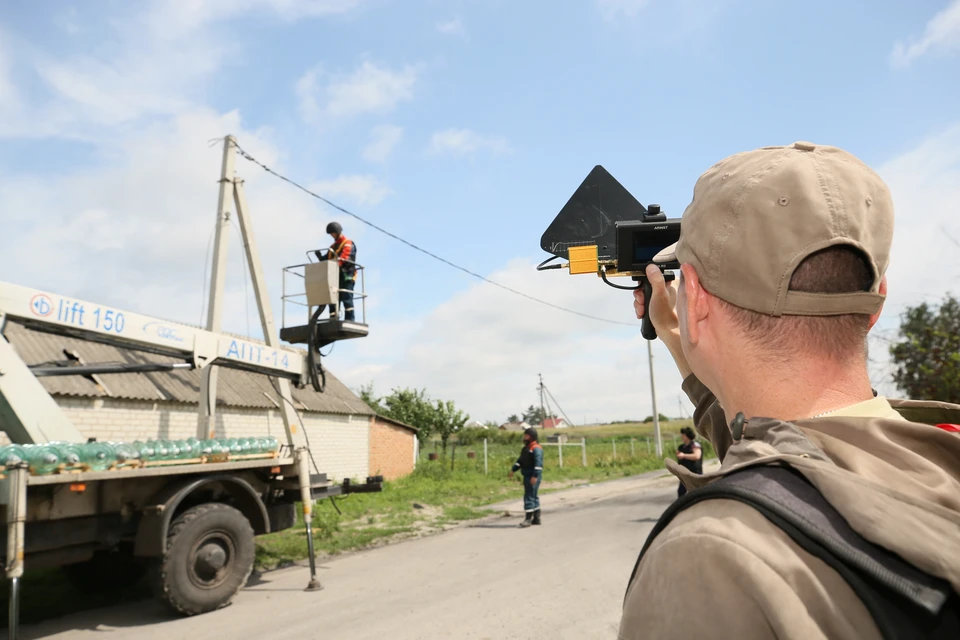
334 227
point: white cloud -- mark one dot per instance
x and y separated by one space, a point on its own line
184 16
9 96
383 139
452 27
154 59
361 189
466 142
370 88
614 9
942 34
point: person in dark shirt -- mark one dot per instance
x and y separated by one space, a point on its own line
530 464
689 455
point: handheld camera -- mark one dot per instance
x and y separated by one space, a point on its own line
604 230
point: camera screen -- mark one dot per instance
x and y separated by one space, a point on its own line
649 243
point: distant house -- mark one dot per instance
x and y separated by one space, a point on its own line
514 426
474 424
554 423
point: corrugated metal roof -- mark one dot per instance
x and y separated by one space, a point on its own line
234 388
402 425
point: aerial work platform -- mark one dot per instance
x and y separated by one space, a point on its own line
320 290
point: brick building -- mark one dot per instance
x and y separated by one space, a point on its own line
346 438
393 453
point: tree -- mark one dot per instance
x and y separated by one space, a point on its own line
662 417
368 396
412 407
447 421
927 357
535 415
513 418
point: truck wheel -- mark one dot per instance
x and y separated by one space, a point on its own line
209 557
106 570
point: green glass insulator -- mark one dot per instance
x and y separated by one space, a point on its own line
42 458
126 453
99 455
12 454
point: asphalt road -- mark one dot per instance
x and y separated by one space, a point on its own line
488 579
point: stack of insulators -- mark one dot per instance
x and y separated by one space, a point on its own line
98 456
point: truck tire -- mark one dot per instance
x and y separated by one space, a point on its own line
209 557
105 571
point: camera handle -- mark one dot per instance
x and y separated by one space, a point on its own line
646 328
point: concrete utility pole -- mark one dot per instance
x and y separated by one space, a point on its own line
543 412
207 420
653 397
232 188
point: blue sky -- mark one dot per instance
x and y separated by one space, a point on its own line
463 126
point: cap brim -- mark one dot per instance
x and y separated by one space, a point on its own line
667 255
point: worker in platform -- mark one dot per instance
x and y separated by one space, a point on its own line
530 464
345 251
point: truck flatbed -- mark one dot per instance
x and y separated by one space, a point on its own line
170 470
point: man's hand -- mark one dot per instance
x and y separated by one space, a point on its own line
510 475
533 480
663 314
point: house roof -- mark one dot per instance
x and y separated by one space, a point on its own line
514 426
551 423
397 423
235 388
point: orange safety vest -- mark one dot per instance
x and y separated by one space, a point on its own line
346 253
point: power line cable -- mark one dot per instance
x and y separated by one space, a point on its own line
250 158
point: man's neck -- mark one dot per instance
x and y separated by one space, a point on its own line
795 392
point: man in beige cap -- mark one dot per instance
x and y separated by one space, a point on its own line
782 254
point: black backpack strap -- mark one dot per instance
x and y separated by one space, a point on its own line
904 601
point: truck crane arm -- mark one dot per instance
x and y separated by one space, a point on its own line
33 416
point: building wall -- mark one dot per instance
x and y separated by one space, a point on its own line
392 452
339 443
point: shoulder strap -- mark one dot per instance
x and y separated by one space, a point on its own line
904 601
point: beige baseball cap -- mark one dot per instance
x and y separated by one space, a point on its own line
756 215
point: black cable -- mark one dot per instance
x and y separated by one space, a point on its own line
603 276
247 156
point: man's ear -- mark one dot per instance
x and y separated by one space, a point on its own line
695 299
883 291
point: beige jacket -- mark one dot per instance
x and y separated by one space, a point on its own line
721 569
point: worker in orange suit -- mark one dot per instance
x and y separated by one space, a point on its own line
345 251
